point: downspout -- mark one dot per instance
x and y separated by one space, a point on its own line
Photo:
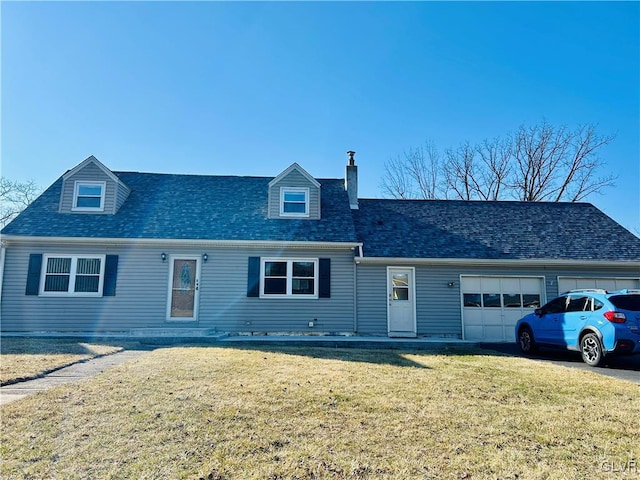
3 247
355 298
355 289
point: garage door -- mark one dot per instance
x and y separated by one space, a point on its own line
573 283
491 306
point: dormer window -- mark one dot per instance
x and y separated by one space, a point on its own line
294 202
89 196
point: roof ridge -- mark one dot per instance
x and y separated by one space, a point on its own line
204 175
476 201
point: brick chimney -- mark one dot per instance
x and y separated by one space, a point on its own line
351 180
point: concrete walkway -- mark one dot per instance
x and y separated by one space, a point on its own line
72 373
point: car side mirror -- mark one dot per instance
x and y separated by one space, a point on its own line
538 312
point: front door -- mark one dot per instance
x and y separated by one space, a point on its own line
401 302
184 286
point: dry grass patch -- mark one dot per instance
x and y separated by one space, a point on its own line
22 358
305 413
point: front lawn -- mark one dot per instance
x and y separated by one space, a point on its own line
320 413
23 357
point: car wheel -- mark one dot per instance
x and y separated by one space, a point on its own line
525 340
591 350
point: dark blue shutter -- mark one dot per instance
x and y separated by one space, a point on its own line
253 277
33 275
324 276
110 276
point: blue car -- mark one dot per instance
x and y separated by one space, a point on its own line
595 322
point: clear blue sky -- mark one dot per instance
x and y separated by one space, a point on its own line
249 88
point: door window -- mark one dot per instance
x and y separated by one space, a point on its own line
400 286
183 289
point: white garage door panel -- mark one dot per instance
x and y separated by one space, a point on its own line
574 283
473 333
510 285
530 285
495 323
472 316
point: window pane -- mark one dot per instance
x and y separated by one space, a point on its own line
275 269
578 304
295 208
58 265
400 279
295 197
511 300
90 190
303 269
88 202
184 275
531 300
302 286
182 304
275 286
56 283
556 306
400 293
626 302
88 266
491 299
87 283
472 300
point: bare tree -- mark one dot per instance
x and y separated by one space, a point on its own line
414 174
478 172
496 167
534 164
557 164
14 197
461 173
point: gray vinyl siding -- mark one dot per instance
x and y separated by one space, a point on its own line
231 310
294 179
142 292
122 192
438 306
371 306
114 195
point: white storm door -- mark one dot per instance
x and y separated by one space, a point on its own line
401 302
184 279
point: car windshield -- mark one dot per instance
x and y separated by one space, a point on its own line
626 302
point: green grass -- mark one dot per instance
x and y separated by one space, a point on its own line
23 358
313 413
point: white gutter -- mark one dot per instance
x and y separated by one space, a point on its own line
535 262
19 239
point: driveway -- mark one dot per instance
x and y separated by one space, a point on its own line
623 368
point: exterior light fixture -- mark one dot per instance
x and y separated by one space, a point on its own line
163 256
205 257
451 284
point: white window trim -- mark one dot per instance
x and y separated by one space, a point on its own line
304 190
289 280
72 275
76 190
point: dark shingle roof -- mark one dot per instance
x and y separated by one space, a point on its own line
491 230
191 207
200 207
